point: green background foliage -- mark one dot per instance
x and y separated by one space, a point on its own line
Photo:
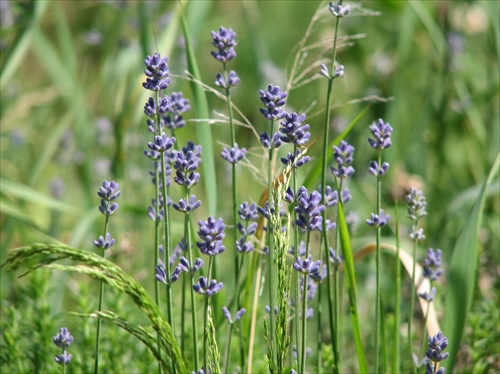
71 115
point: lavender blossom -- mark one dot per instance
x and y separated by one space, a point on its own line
161 143
233 155
225 41
160 274
382 133
378 220
63 358
237 315
309 210
307 266
273 99
63 340
275 142
186 162
301 251
248 212
189 206
293 130
152 110
376 170
108 192
432 264
335 258
436 345
211 233
416 204
343 155
157 72
293 160
232 80
428 296
339 10
178 106
203 288
104 243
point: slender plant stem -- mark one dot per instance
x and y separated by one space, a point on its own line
205 326
273 296
326 132
194 318
296 275
304 312
397 302
422 343
101 298
377 265
412 298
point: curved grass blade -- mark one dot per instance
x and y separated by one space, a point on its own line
45 255
202 128
345 242
462 272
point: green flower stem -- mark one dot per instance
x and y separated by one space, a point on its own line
304 312
412 298
397 309
424 335
296 275
101 299
326 131
205 326
377 281
273 296
157 252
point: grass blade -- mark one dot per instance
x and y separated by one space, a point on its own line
462 272
345 242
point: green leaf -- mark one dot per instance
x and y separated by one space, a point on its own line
345 242
203 130
462 272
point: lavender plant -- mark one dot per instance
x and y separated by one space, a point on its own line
63 340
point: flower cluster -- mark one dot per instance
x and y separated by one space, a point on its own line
273 100
432 264
108 192
187 206
248 214
185 164
237 315
382 133
293 130
436 345
339 10
225 41
307 265
211 233
157 72
233 155
378 220
343 155
183 266
309 210
63 340
178 106
203 287
416 204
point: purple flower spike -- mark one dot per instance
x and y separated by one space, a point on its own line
212 233
340 10
307 266
176 273
415 202
178 106
378 220
436 345
309 210
232 80
273 99
151 110
432 264
233 155
189 206
429 369
428 296
63 339
161 143
157 72
382 133
248 212
294 160
225 41
335 258
293 130
275 142
343 155
376 170
160 274
104 243
63 358
108 192
186 162
237 315
203 288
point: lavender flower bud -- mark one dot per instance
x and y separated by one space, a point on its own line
160 274
309 210
416 204
307 266
340 10
293 130
203 288
232 80
157 72
382 133
376 170
108 192
187 207
378 220
343 155
224 41
63 358
178 106
437 344
294 160
248 212
161 143
339 72
273 99
212 233
63 339
104 243
233 155
428 296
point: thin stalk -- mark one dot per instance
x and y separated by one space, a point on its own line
296 275
304 312
412 299
397 302
273 296
422 343
157 250
377 282
101 298
194 319
323 188
205 325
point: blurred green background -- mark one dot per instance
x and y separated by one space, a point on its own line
71 114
